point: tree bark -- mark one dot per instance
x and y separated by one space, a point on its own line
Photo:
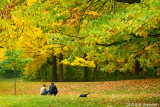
45 74
95 72
86 78
107 62
86 73
54 69
137 68
61 67
14 81
39 74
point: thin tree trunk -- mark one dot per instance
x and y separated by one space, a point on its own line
61 67
54 69
95 72
107 65
39 74
14 81
45 74
86 73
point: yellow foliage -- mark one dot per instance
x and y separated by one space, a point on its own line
2 54
65 61
92 13
55 9
65 48
23 34
80 62
36 64
143 33
132 55
18 21
54 24
89 57
149 47
30 2
98 41
57 49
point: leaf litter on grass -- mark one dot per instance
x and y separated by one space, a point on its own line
115 92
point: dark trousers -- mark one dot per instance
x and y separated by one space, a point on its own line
54 93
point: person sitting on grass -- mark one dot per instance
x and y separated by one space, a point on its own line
43 90
53 89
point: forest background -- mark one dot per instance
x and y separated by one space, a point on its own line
79 40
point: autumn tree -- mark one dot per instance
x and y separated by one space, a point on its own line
124 35
128 39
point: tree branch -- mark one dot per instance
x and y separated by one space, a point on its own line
116 43
156 36
129 1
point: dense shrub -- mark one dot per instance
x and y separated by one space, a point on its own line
10 74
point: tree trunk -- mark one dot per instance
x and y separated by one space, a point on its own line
107 62
45 74
39 75
61 67
54 69
136 67
86 73
14 81
95 72
86 78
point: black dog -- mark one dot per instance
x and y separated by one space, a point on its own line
84 95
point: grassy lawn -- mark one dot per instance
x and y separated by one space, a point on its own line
140 92
50 101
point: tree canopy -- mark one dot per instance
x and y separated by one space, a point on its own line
113 35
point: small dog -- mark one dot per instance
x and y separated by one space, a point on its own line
84 95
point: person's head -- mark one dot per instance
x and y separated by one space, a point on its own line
44 85
52 83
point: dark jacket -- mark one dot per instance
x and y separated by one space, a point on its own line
52 89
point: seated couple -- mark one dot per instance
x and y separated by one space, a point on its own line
52 90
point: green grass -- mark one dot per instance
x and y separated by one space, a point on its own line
111 94
68 101
51 101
